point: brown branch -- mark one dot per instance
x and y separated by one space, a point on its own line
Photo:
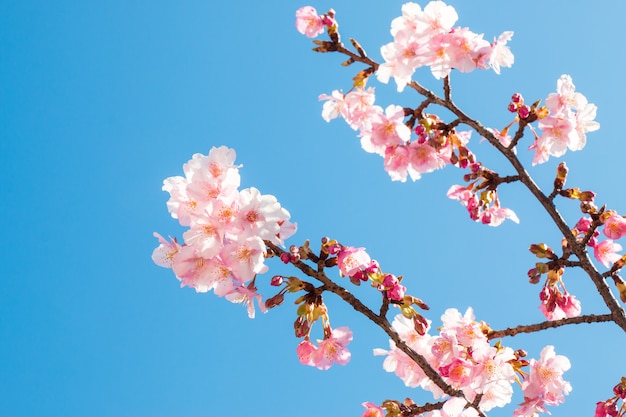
618 313
531 328
382 322
415 410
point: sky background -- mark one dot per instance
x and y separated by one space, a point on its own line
102 100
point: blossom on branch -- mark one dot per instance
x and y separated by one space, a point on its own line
224 247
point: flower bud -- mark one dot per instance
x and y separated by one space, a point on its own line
523 111
561 176
275 301
301 327
276 281
534 276
512 107
542 251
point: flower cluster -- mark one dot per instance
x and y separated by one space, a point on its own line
544 384
328 351
480 197
565 127
385 133
463 356
605 251
224 247
428 38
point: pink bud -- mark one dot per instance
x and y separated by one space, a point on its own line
276 280
523 111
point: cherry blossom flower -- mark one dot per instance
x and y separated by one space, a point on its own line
350 260
245 257
501 55
333 349
246 296
163 255
544 384
305 352
606 252
308 22
615 226
570 118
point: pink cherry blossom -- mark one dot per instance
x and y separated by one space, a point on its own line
350 260
305 352
398 163
246 296
245 257
545 379
200 273
206 236
333 349
606 252
386 129
501 55
163 255
615 226
308 22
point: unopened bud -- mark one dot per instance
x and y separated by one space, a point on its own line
274 301
542 251
301 327
276 281
521 353
517 98
523 111
420 324
542 268
587 196
534 276
561 176
573 193
512 107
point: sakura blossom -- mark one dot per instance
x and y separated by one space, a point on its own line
428 38
351 260
224 247
605 252
545 384
308 22
333 349
569 120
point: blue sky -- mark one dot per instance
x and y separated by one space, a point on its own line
100 101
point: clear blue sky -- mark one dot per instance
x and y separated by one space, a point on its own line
100 101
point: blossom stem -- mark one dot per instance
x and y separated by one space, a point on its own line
531 328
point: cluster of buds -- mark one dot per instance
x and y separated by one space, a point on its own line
480 197
585 197
556 302
524 111
610 407
292 256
